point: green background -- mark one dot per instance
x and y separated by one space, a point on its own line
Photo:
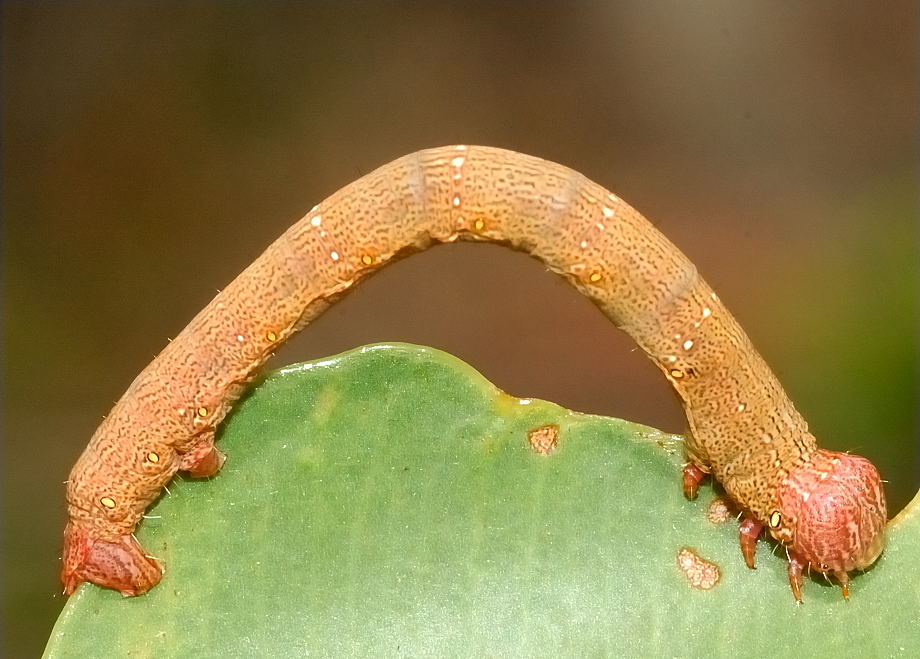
151 151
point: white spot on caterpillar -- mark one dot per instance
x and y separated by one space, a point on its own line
316 221
776 518
600 226
240 338
460 147
613 198
583 244
456 201
707 312
334 256
806 496
714 297
458 161
688 344
608 212
741 407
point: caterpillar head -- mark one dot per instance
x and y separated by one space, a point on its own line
832 513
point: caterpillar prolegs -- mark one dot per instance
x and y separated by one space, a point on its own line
828 509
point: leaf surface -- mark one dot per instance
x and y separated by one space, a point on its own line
388 501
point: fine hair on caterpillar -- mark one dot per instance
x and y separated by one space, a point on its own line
828 509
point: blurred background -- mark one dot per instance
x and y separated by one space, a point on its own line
152 150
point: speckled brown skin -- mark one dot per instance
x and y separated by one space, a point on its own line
828 509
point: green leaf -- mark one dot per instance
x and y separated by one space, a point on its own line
388 502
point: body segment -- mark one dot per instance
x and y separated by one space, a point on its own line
743 428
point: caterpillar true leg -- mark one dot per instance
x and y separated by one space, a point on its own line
748 532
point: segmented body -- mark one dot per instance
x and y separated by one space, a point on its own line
743 428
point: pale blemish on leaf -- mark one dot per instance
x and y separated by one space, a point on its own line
701 574
545 439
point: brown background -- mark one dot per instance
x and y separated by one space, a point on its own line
151 151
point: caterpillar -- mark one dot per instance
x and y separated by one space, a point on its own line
826 508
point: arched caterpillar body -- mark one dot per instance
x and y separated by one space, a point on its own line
827 508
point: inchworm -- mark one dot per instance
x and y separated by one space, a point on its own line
827 508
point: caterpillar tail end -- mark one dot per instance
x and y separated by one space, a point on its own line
120 564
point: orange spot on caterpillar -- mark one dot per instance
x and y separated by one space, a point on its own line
202 411
676 374
153 457
545 439
479 225
108 502
271 336
367 259
595 277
